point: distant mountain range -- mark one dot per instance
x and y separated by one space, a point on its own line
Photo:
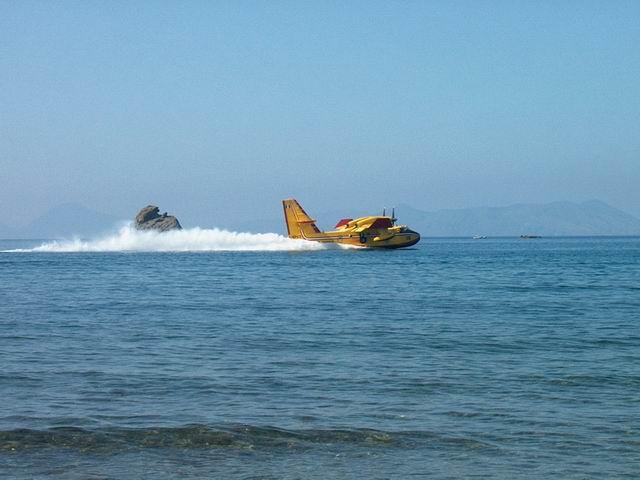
64 221
5 232
551 219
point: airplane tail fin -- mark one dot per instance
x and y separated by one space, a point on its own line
299 224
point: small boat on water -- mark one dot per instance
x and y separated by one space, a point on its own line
479 237
527 237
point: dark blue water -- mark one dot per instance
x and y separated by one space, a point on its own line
499 358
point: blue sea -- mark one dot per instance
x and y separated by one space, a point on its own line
208 354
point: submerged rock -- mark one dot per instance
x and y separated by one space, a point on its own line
149 218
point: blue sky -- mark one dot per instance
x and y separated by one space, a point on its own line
220 109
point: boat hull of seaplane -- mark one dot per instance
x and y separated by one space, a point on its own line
364 232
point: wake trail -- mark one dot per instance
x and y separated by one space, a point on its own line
128 239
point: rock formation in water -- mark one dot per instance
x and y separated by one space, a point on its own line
149 219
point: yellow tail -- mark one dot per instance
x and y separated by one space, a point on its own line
299 224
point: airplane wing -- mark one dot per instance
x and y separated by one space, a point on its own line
377 223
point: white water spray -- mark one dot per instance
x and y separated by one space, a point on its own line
128 239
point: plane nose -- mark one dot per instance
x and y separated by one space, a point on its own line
414 237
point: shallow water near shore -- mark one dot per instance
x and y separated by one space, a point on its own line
495 358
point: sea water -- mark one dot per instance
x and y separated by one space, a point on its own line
495 358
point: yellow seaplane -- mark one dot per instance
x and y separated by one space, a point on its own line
369 232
